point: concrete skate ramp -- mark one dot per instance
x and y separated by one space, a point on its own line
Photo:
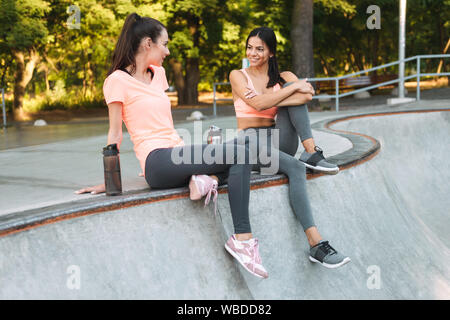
390 214
164 250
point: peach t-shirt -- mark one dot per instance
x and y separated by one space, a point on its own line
146 111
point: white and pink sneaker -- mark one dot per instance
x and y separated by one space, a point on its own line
201 185
247 254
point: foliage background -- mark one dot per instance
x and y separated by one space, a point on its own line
57 67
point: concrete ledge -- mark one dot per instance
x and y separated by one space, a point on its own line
364 148
400 100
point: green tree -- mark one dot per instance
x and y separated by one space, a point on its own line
185 27
23 36
207 41
40 52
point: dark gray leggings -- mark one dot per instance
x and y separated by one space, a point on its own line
293 122
287 164
162 171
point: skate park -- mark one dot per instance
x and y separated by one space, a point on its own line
387 209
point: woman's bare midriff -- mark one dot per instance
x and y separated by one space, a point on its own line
254 122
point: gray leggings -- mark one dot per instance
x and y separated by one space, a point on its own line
292 167
292 122
162 171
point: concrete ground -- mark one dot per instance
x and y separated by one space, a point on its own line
389 214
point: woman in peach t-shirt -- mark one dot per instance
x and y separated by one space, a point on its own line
135 94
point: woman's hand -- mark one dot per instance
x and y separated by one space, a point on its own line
304 87
93 190
250 93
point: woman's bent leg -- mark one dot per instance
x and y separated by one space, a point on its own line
293 122
300 120
288 135
173 167
294 169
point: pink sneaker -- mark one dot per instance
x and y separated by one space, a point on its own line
201 185
247 254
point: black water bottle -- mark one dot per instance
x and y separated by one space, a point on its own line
111 164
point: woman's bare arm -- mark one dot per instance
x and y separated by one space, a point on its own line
115 123
262 101
297 98
114 136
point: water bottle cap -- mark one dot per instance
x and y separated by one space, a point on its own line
214 128
110 150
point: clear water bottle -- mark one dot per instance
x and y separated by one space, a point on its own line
111 164
214 135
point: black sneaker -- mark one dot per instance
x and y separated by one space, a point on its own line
317 162
327 256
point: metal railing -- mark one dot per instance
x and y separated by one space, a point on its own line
215 84
338 95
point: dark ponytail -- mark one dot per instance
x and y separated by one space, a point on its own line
274 73
134 29
267 35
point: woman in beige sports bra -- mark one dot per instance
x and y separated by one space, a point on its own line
260 93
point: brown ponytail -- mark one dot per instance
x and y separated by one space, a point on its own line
134 29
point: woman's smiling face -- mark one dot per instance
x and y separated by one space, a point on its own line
257 52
